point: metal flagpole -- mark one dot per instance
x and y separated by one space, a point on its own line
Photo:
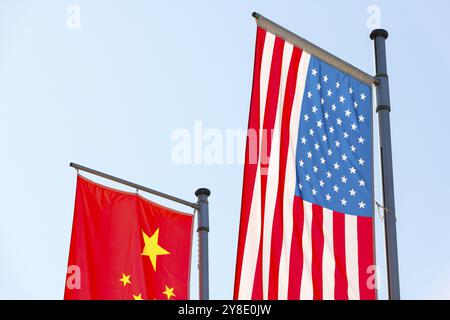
379 37
203 230
202 220
312 49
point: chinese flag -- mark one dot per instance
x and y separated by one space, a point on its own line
125 247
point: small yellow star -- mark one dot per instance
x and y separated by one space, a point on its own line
152 249
169 292
138 297
125 279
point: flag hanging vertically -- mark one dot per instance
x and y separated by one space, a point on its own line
125 247
306 229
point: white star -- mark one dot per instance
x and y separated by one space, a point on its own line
362 183
361 118
344 202
344 179
319 86
336 166
328 197
350 90
331 130
354 127
347 113
352 170
341 99
363 97
307 177
314 192
345 135
355 104
361 161
333 107
344 157
361 140
314 72
319 124
330 152
337 143
306 117
314 109
316 146
300 186
309 155
353 148
327 115
322 160
315 169
352 193
324 138
322 101
321 183
338 85
362 205
309 94
325 78
336 188
329 93
339 121
329 175
311 132
301 163
304 140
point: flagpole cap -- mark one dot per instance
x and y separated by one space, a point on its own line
203 191
379 33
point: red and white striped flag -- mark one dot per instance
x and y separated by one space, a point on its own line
306 229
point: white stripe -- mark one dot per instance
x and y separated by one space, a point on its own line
266 64
328 263
306 286
274 169
290 179
351 255
251 244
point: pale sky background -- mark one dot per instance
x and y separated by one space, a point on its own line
110 95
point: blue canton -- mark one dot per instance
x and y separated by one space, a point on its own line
334 148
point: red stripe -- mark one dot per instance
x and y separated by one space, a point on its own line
277 227
250 165
273 90
296 261
317 242
366 258
340 273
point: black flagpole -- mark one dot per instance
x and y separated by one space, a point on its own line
379 37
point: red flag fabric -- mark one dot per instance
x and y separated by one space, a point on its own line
124 246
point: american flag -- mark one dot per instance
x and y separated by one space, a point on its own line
306 229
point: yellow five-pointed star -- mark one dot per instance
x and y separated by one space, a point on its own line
138 297
152 249
169 292
125 279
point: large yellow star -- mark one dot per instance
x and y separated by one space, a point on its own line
169 292
152 249
138 297
125 279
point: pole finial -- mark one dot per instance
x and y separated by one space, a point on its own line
202 191
379 33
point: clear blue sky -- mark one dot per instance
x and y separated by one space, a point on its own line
110 95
